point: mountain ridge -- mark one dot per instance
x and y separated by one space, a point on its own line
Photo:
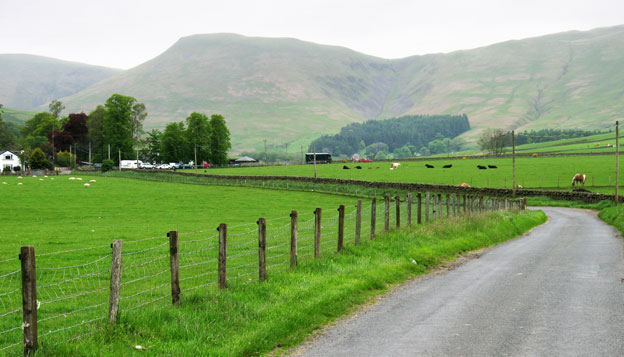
289 91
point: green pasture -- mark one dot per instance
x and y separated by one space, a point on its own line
531 172
72 226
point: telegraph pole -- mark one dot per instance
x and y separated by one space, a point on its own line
119 160
109 151
90 163
265 151
513 160
617 162
315 162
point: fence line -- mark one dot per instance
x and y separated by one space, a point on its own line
76 295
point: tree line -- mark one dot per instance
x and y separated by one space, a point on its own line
404 136
112 130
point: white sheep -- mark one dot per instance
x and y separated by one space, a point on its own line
19 183
79 178
87 184
93 181
4 183
40 179
72 178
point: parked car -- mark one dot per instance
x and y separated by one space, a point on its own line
186 166
365 160
147 165
164 166
174 165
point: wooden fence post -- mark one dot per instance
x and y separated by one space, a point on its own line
397 205
427 196
174 261
410 198
293 238
358 221
464 203
222 255
373 217
317 232
419 209
454 204
115 281
341 216
387 214
439 205
434 206
29 298
448 205
261 248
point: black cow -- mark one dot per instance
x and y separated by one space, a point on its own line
429 166
345 167
492 167
358 167
481 167
447 166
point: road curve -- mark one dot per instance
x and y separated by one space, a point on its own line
556 291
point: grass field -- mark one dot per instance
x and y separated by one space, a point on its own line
72 226
531 172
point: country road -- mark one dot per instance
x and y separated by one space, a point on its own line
558 290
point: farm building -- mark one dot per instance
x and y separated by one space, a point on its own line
9 159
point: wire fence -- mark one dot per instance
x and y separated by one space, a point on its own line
75 299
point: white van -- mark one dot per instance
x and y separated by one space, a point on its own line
130 164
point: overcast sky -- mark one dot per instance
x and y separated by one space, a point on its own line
124 34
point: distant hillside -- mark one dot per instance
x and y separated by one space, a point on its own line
27 82
290 91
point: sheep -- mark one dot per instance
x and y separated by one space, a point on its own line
358 167
481 167
79 178
4 183
395 165
429 166
447 166
72 178
345 167
492 166
19 183
87 184
463 184
92 181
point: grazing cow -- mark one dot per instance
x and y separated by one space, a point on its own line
429 166
447 166
395 165
358 167
492 167
481 167
463 184
345 167
580 178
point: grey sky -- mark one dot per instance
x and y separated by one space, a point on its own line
123 34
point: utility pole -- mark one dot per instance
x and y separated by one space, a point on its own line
315 162
265 151
302 157
617 162
286 152
109 151
119 160
70 154
90 153
513 160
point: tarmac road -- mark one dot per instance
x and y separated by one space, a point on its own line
558 290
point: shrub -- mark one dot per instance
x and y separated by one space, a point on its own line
17 168
38 160
64 159
6 169
107 165
535 155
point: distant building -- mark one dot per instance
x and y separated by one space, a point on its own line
243 160
355 157
9 159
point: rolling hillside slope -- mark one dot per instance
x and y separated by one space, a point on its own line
28 81
290 91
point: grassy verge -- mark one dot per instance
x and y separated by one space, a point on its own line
614 216
546 201
252 318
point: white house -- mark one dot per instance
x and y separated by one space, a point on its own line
9 159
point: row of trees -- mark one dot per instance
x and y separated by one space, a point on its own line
116 129
198 138
415 131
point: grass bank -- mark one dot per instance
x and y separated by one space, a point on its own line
251 318
614 216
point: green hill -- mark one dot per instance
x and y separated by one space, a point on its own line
289 91
28 81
